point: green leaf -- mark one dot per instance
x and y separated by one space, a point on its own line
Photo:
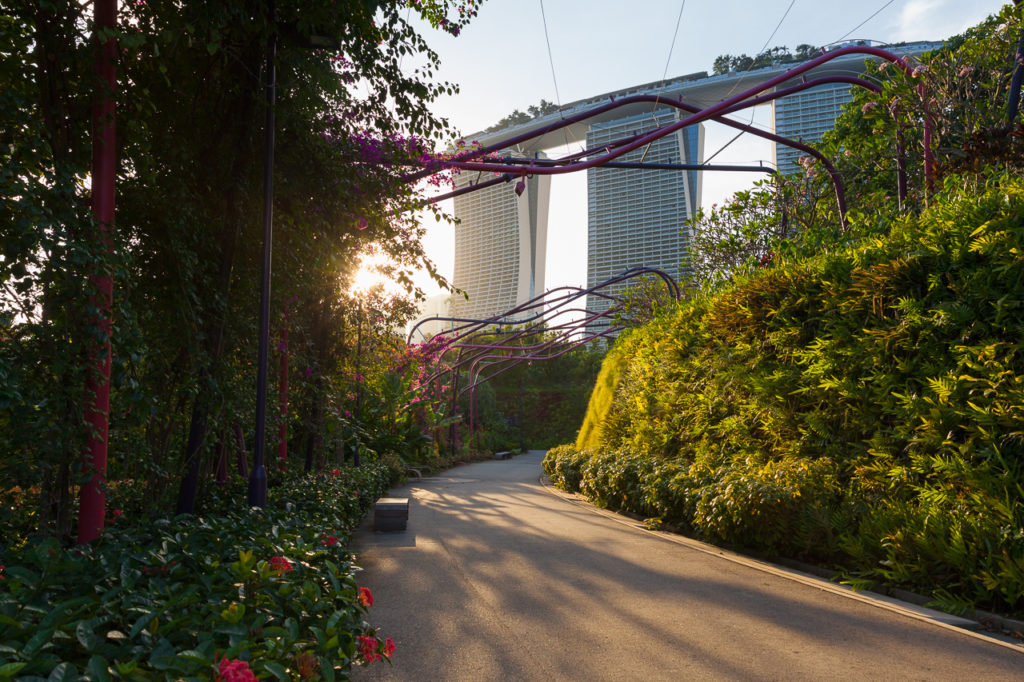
8 670
86 637
142 622
36 642
98 668
326 669
277 670
64 671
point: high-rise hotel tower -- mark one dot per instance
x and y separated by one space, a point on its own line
638 217
500 245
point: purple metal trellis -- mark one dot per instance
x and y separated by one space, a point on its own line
561 338
746 99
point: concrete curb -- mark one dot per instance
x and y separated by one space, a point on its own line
966 626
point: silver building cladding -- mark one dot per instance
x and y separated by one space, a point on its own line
500 245
638 217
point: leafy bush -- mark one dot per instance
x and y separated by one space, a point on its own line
563 464
615 480
174 598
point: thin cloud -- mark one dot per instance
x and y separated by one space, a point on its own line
936 19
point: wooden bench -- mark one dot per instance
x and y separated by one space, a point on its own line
390 514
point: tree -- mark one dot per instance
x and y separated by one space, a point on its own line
186 249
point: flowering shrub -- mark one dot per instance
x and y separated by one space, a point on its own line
372 649
234 594
234 671
279 565
368 649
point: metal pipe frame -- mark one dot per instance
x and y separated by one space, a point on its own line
728 105
477 357
717 112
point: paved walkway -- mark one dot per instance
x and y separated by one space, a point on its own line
499 578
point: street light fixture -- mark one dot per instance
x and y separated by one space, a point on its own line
258 476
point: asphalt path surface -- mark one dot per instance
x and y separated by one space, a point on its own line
499 577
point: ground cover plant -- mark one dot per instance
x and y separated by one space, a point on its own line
850 396
231 591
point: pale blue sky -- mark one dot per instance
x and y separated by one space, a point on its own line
501 63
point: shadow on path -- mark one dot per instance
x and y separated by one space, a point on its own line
498 579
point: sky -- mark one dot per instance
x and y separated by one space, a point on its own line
501 62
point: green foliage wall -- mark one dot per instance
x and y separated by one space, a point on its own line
601 398
862 407
536 404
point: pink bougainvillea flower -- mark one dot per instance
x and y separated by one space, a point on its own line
335 472
233 670
365 598
389 647
279 565
368 648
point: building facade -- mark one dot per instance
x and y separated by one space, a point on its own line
806 116
500 246
635 217
638 217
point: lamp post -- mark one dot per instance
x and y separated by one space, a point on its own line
359 380
258 477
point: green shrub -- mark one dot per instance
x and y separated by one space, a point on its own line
761 504
615 480
563 464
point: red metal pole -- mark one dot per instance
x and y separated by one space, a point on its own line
929 158
282 392
92 500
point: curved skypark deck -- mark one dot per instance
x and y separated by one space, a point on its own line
697 89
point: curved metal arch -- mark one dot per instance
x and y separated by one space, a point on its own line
727 105
476 357
715 112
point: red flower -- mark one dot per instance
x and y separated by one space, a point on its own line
329 540
365 598
335 472
368 648
163 569
234 671
117 513
389 647
279 565
2 567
